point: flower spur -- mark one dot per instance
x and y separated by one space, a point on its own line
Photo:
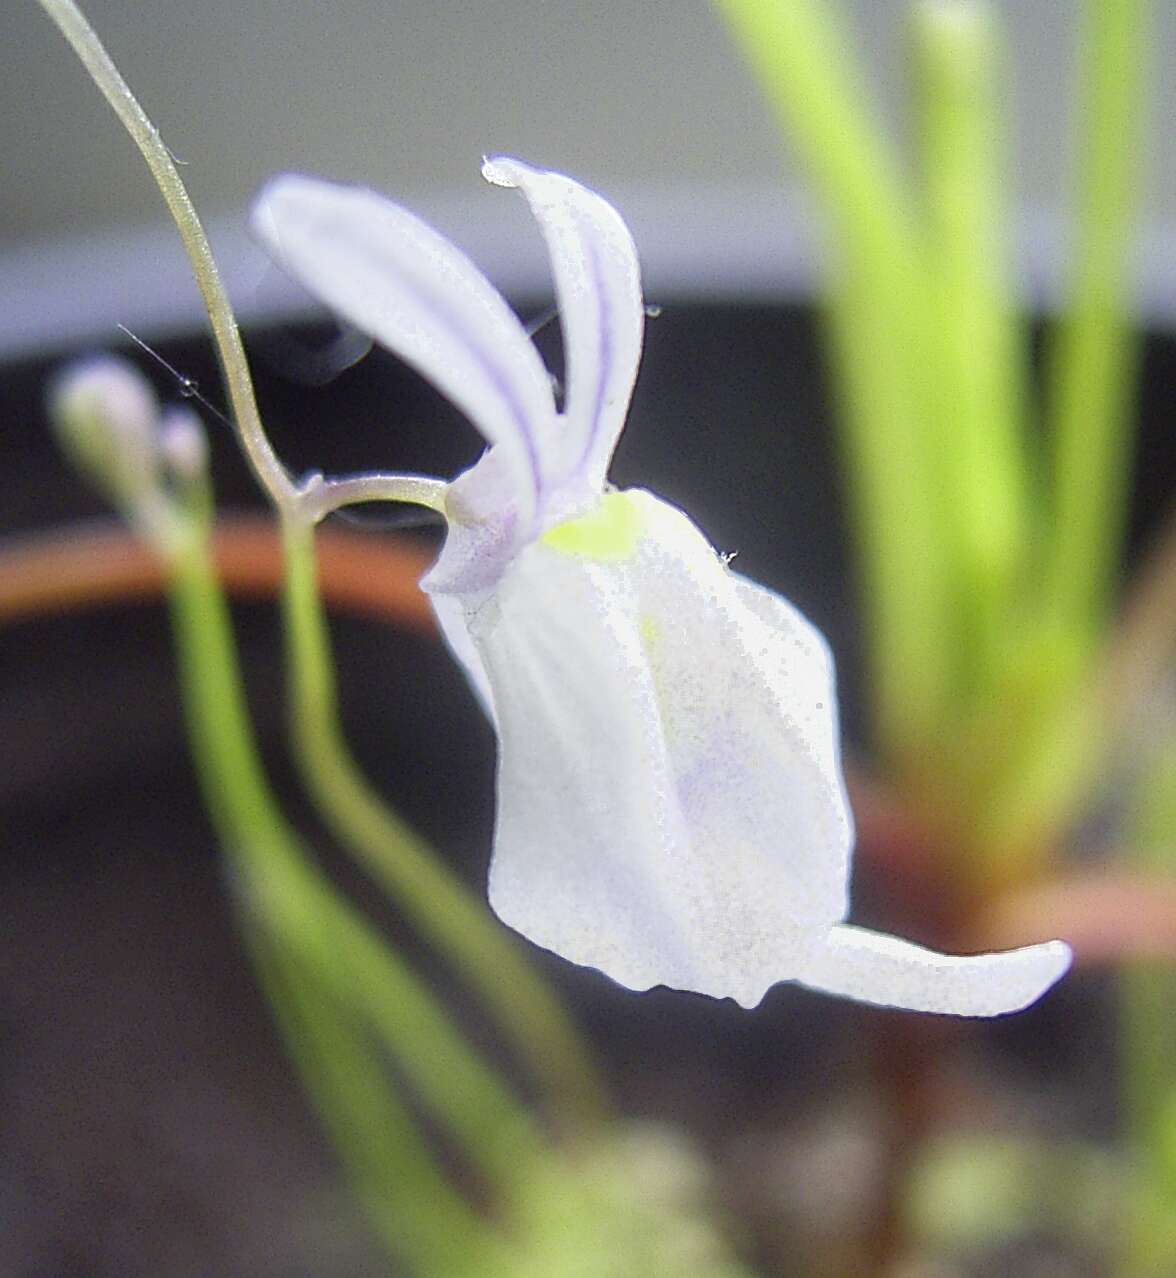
670 807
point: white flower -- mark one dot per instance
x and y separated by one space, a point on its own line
670 801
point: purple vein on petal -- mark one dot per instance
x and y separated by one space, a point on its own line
604 351
490 366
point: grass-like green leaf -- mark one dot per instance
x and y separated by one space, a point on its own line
880 324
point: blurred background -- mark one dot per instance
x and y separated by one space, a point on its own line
649 103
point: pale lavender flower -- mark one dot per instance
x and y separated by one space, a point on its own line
670 800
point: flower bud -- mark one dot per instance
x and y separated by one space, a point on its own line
106 418
183 445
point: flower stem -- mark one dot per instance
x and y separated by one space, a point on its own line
415 1211
84 40
437 902
329 969
321 496
398 860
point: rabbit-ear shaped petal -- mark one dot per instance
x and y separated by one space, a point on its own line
598 288
409 288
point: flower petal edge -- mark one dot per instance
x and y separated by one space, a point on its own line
415 293
598 289
873 967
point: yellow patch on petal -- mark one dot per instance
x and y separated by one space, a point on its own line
609 533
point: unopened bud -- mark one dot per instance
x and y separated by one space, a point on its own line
106 417
183 444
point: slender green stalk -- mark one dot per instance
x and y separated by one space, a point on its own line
1037 743
1148 1043
438 902
880 325
344 1000
435 900
298 905
1093 353
1054 725
85 43
982 375
319 496
418 1215
337 1067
